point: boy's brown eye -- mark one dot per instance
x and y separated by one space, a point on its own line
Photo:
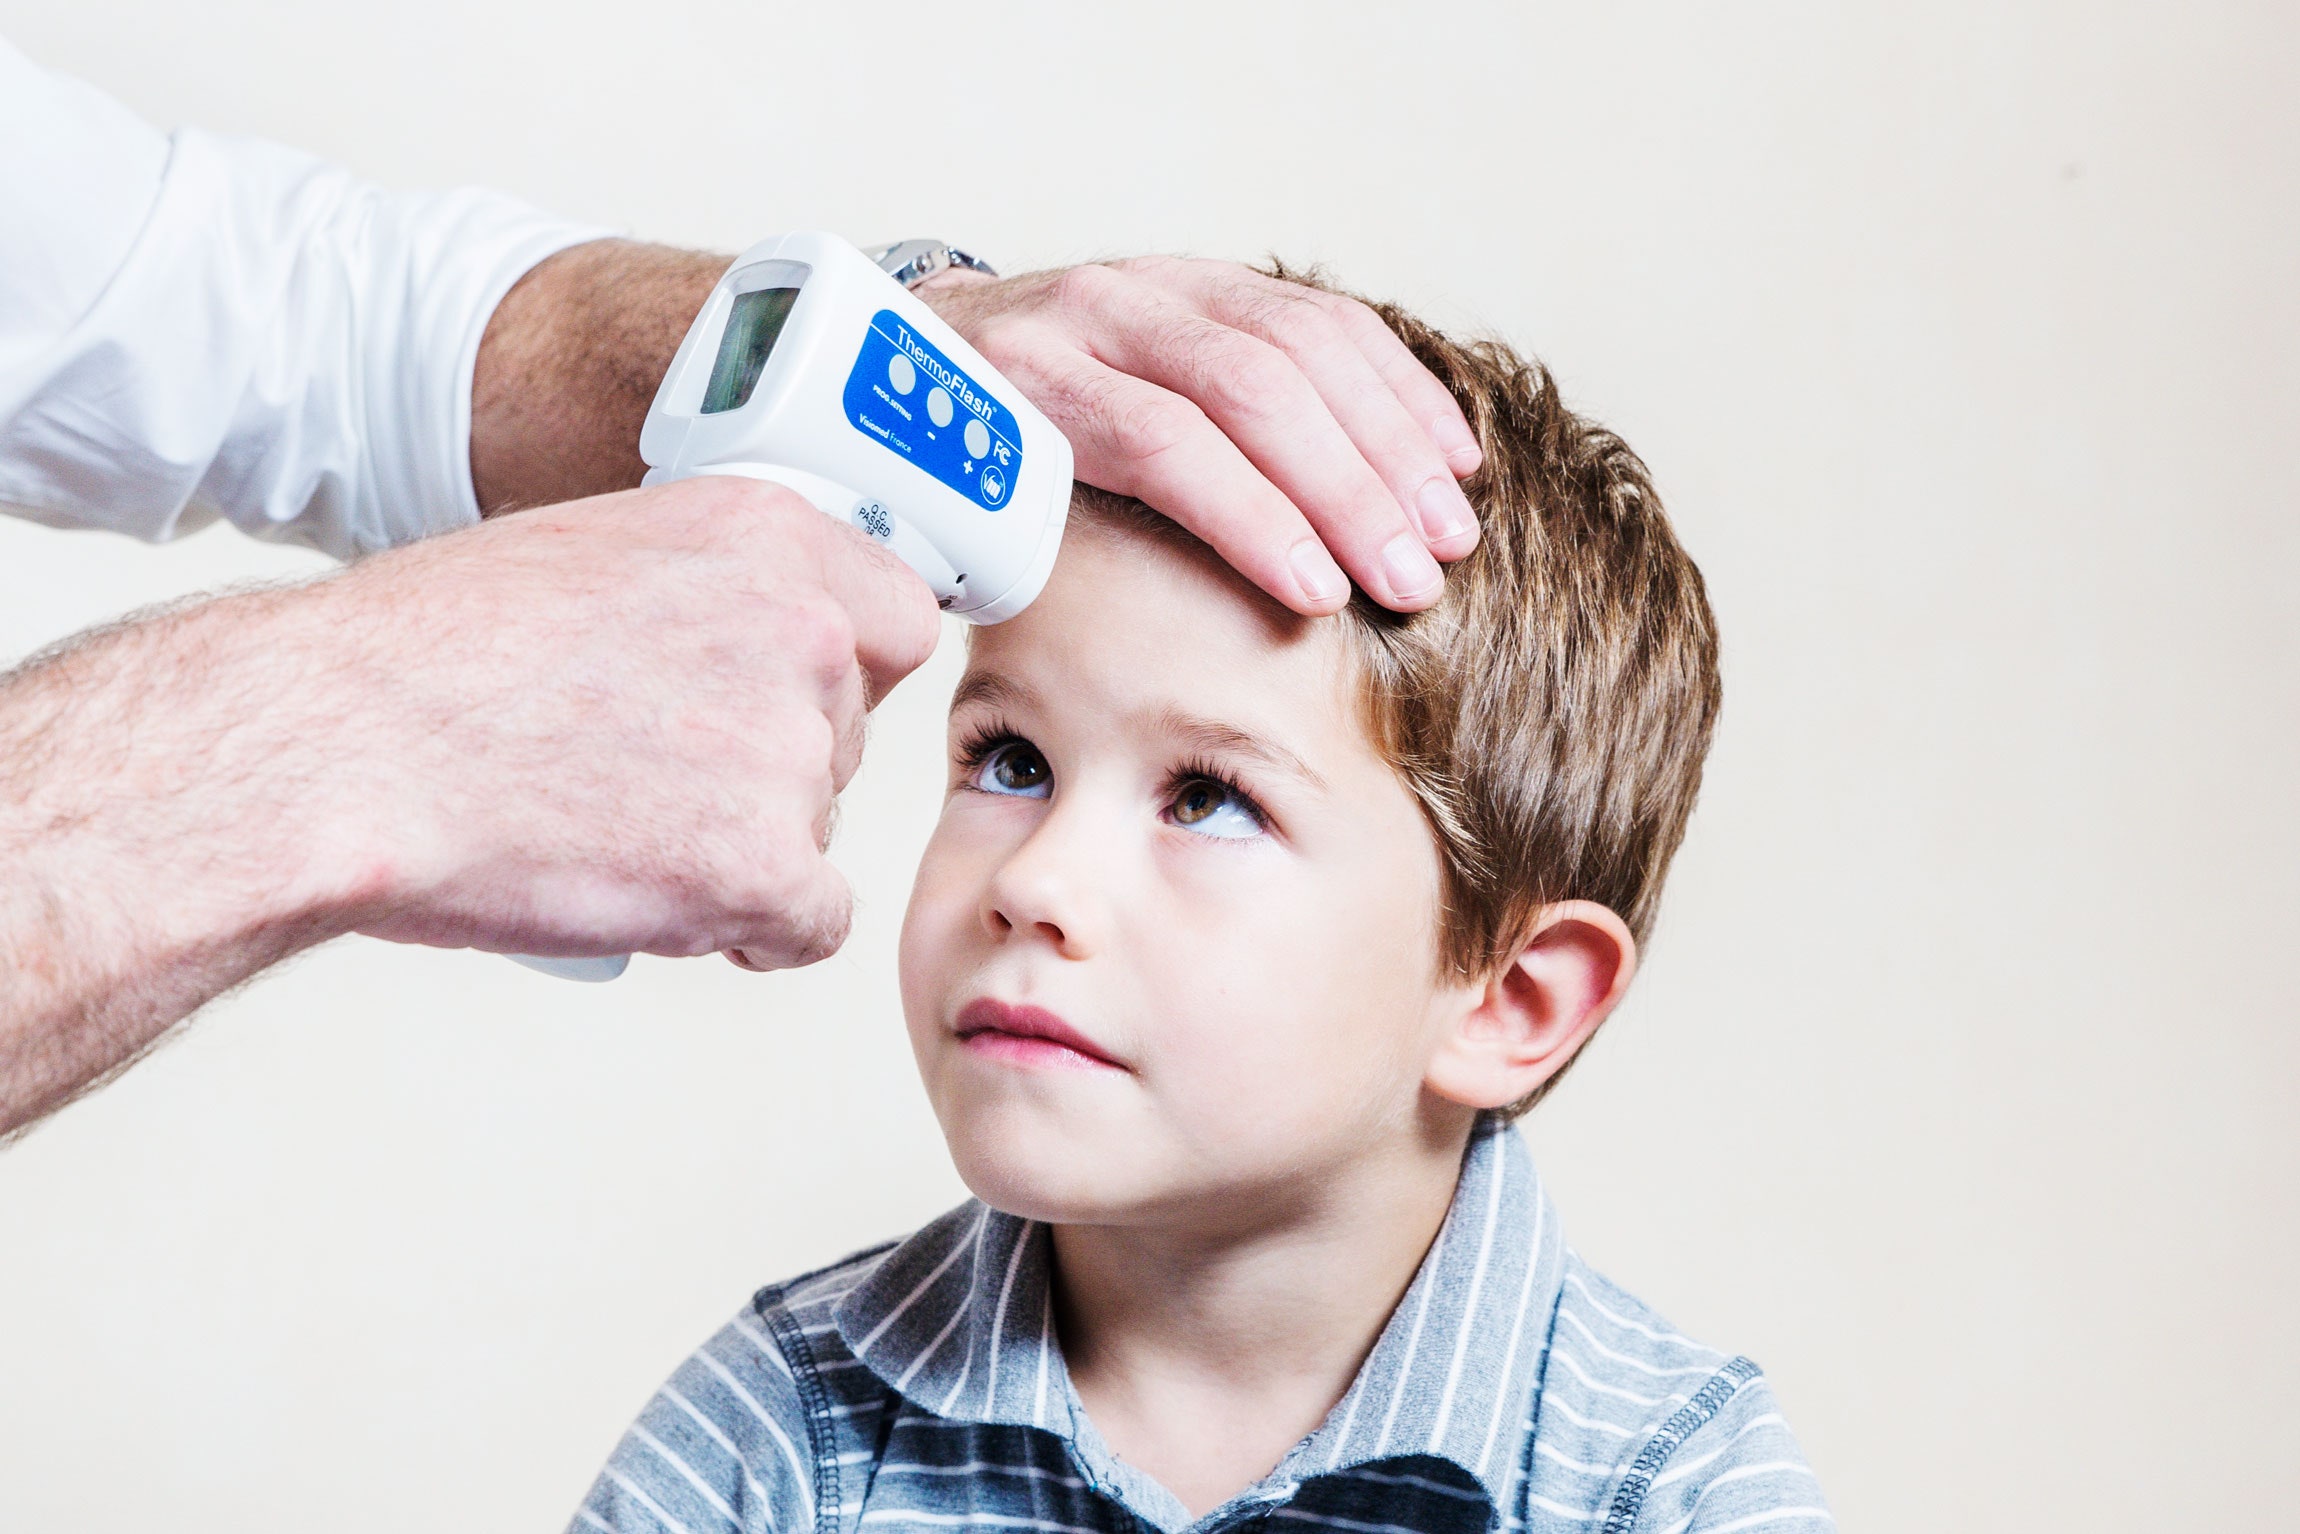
1198 801
1017 769
1211 807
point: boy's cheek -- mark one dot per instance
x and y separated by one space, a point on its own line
959 861
1316 1024
932 950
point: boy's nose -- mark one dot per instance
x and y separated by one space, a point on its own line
1047 889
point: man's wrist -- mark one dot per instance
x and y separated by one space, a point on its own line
914 263
569 364
953 279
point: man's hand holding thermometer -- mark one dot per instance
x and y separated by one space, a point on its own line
812 368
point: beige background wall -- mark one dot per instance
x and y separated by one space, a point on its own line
1961 1089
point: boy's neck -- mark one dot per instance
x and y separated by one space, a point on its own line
1204 1351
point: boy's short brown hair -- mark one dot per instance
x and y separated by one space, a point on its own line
1551 712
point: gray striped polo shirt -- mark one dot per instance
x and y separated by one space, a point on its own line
917 1388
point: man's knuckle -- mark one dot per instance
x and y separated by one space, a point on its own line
1294 324
823 934
1151 425
742 506
1354 318
1253 380
817 632
1008 337
1159 268
1089 287
833 631
799 528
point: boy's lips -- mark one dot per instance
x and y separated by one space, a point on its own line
1023 1035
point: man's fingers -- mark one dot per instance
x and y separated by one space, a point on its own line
896 622
1259 398
886 619
1419 392
1424 398
1139 440
1309 327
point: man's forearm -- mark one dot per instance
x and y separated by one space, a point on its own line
444 744
569 365
151 797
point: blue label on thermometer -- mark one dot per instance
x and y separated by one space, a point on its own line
906 394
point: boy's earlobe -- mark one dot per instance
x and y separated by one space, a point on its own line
1530 1018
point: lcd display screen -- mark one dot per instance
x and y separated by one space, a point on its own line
753 326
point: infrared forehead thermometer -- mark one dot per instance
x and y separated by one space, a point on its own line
812 368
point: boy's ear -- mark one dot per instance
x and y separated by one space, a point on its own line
1525 1023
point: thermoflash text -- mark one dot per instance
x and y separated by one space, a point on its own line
812 368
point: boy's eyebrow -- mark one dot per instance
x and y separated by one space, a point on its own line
991 688
1214 737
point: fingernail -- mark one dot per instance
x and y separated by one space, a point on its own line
1444 510
1320 578
1455 440
1411 571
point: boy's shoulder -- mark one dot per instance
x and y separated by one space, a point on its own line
817 1293
1639 1426
797 1321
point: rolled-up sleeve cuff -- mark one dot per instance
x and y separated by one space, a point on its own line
458 254
280 343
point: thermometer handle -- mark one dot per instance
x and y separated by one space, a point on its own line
606 968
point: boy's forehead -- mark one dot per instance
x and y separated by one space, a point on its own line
1135 623
1111 581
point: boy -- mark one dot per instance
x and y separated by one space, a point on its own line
1241 938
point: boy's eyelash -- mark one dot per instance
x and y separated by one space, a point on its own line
981 741
1199 770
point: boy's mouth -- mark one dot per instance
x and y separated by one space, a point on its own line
1030 1036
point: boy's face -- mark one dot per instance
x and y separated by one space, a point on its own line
1169 842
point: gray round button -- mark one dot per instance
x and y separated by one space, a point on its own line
977 440
901 374
938 406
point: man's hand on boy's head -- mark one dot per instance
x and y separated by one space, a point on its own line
1286 426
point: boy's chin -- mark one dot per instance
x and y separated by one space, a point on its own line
1038 1171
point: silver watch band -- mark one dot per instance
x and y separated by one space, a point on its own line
911 262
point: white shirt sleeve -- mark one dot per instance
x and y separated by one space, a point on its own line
194 326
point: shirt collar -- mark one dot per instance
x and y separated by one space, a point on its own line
959 1320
